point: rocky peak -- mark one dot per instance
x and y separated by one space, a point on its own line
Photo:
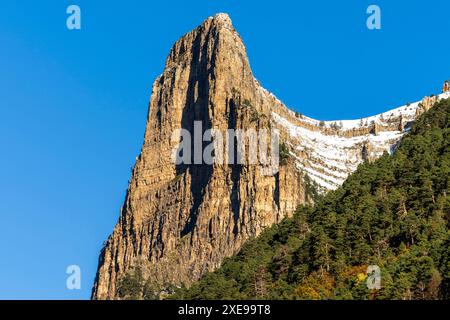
179 221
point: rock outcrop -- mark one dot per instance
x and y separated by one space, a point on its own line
180 220
446 87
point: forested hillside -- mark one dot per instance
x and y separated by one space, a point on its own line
393 213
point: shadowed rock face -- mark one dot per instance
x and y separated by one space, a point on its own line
179 221
182 220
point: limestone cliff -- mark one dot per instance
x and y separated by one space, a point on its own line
179 221
183 220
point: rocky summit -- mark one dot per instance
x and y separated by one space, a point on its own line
181 220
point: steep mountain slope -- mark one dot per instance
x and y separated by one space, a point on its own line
181 220
393 213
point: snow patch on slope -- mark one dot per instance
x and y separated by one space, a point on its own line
329 159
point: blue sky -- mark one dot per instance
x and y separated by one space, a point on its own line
73 103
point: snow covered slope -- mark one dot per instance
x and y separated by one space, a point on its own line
328 151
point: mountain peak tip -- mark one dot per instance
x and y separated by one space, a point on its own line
222 18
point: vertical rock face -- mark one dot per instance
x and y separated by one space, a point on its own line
179 221
182 220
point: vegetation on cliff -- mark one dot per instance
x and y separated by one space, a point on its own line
393 213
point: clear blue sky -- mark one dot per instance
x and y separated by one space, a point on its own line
73 103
